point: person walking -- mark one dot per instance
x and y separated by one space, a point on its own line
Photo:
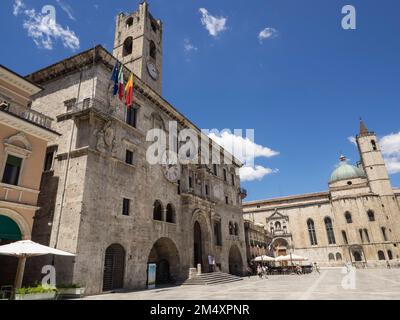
388 265
316 268
265 272
249 272
259 271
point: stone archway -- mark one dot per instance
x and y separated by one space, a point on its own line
280 247
9 232
165 255
201 245
197 244
357 254
235 261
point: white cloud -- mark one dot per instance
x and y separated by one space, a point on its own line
17 7
267 33
248 173
189 47
245 150
352 140
390 146
44 30
214 25
67 9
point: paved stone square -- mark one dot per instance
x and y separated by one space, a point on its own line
370 284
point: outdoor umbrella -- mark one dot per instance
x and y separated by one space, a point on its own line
264 258
290 257
25 249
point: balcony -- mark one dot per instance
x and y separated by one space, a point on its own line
27 114
94 104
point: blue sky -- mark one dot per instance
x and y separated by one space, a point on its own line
303 89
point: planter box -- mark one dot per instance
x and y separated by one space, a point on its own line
36 296
71 292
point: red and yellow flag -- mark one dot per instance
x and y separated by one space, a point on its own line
129 92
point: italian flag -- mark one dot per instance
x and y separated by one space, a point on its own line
129 92
121 87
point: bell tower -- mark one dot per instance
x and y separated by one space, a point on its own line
138 44
373 163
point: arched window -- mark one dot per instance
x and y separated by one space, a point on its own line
331 257
154 25
348 217
381 255
311 232
170 213
129 22
357 256
374 145
127 47
157 211
236 229
371 215
329 231
390 255
230 228
153 50
278 225
217 233
338 257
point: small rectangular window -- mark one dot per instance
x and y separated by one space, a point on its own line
225 176
345 237
48 162
361 235
215 169
207 191
226 200
69 104
126 207
233 179
12 170
385 238
129 157
190 182
86 104
131 117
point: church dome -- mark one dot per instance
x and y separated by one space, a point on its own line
346 171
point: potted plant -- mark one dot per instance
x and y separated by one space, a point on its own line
71 290
38 292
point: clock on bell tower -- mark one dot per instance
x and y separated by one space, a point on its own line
138 44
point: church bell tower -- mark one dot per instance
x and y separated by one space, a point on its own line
138 44
373 163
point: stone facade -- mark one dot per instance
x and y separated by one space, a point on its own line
357 220
103 200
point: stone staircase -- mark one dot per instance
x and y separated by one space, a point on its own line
209 279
